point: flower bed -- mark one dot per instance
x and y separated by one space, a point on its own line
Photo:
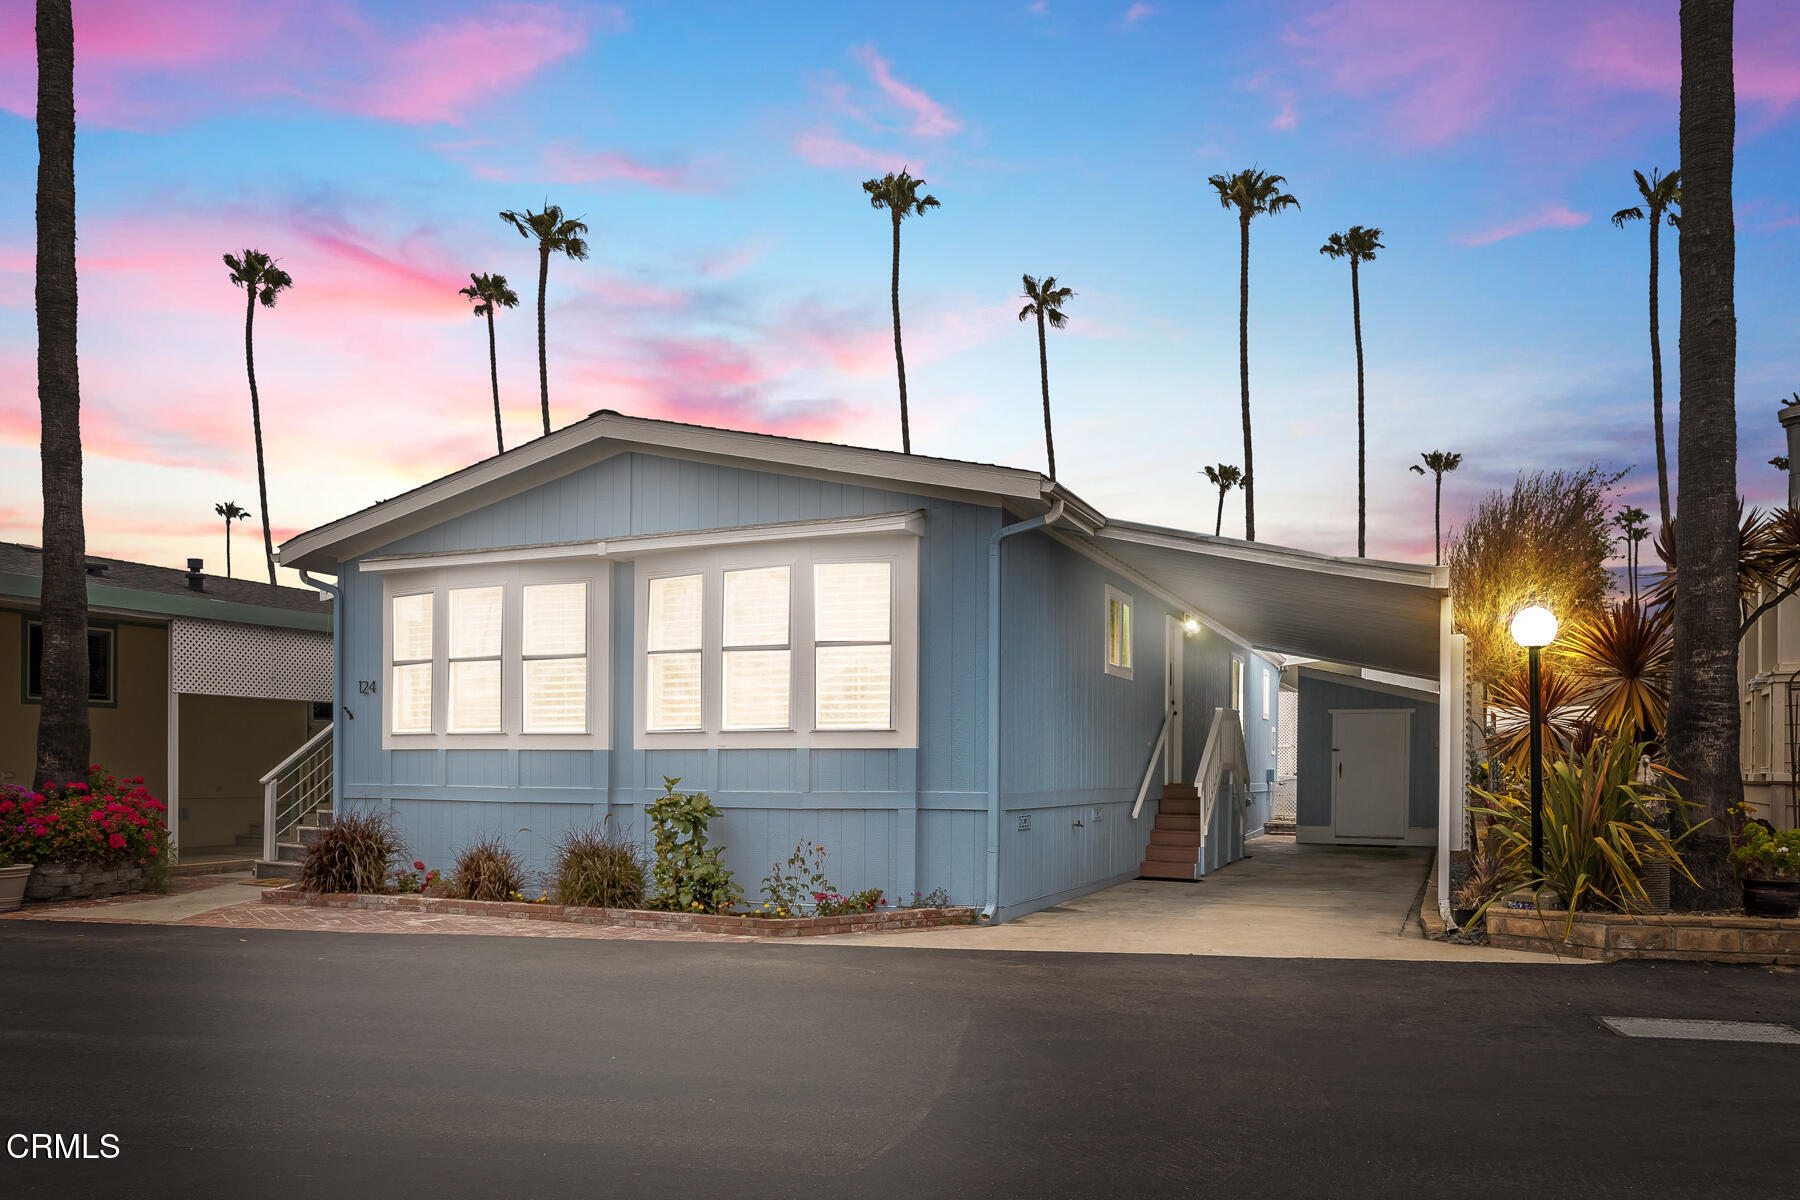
1609 937
883 921
101 836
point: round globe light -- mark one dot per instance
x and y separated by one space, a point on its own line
1534 626
1191 624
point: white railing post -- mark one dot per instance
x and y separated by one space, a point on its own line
269 819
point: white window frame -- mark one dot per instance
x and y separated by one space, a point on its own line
644 641
451 659
1122 668
1265 693
513 577
900 549
726 649
1240 670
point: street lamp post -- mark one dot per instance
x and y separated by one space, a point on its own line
1534 628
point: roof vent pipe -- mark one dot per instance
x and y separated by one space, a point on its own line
95 568
1790 421
195 577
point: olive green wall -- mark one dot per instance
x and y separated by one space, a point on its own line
129 738
227 745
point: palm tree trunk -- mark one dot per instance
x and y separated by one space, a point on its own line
1656 397
1219 519
63 733
1044 376
494 376
1362 487
543 361
1250 466
228 547
1437 520
1244 373
1703 724
899 357
262 481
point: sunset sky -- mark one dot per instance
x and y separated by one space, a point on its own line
739 277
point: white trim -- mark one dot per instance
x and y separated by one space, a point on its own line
911 521
1126 669
1368 685
1132 575
172 787
513 577
1412 574
898 548
1453 771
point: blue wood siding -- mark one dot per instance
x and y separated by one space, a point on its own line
1312 783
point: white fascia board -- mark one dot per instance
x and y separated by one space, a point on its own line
1088 550
1368 685
910 522
538 462
1410 574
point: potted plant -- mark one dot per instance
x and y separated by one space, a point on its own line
1768 865
12 881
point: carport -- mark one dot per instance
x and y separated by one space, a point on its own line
1382 616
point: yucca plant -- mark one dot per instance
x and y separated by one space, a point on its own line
488 869
356 853
1564 722
1620 656
598 868
1603 827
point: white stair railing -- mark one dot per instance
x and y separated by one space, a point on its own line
299 783
1156 756
1223 760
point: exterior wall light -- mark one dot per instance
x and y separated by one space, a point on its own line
1191 623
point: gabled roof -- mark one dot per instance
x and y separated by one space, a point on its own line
607 433
1383 615
122 585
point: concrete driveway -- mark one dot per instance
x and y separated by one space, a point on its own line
1285 901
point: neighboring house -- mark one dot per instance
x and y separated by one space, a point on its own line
197 683
950 674
1768 671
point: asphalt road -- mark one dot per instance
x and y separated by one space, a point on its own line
275 1064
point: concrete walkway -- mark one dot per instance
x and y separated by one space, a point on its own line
189 896
1286 901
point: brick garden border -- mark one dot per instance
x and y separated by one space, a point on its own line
875 922
1609 937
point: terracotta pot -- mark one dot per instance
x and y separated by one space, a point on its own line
12 885
1772 897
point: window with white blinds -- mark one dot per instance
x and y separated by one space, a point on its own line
853 678
412 650
476 617
1118 633
757 677
673 648
554 650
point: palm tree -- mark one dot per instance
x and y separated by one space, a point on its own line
1632 530
1044 301
1224 477
262 281
1253 194
1439 463
62 733
1358 244
231 512
488 291
1704 724
899 194
555 234
1662 199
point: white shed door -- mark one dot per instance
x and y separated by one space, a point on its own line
1370 751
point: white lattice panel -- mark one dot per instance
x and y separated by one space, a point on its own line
217 658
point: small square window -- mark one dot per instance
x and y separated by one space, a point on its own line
101 675
1118 633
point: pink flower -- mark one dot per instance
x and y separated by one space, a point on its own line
116 841
418 866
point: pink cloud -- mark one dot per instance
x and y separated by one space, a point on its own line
825 147
447 70
1551 216
1139 12
563 161
930 119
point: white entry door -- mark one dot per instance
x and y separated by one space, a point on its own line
1370 753
1174 636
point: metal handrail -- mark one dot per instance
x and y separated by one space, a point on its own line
300 783
1156 753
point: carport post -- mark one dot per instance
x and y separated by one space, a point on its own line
1452 772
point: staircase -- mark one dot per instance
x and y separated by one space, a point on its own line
1174 849
297 807
288 853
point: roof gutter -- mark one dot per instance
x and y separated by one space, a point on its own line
1058 514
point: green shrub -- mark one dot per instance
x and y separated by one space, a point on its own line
597 868
356 853
488 869
689 875
787 886
1760 854
831 904
1602 827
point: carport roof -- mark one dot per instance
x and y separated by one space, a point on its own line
1360 611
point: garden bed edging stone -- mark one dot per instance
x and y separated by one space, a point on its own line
83 881
1677 937
885 921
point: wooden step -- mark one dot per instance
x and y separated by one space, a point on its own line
1182 805
1172 854
1178 821
1161 870
1175 837
1180 791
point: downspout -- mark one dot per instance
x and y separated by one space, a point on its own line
339 709
991 909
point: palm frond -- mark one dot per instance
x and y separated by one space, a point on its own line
1626 215
1623 654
